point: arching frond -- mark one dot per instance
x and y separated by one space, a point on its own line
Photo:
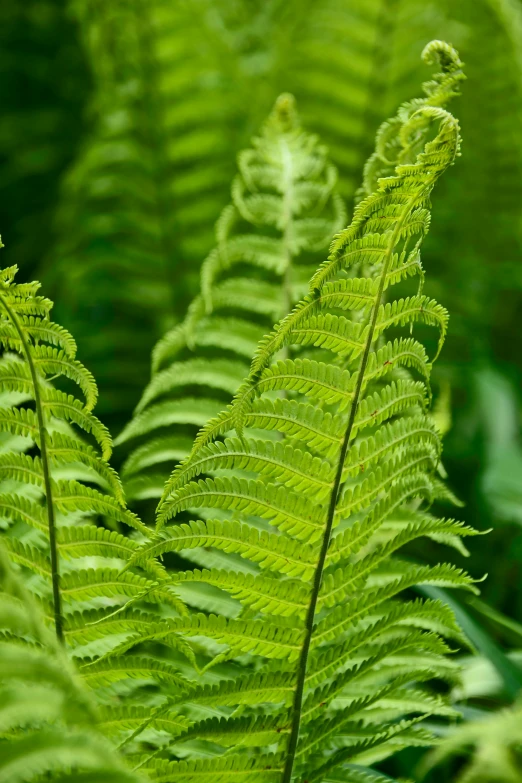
334 497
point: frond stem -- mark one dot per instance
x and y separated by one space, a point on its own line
46 470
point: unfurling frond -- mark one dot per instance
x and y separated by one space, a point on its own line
311 482
284 210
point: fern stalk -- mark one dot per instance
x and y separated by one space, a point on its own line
46 471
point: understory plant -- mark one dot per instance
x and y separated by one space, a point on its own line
166 117
319 659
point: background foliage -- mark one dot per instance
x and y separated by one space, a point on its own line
122 121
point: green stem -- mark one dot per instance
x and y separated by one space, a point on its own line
57 599
334 497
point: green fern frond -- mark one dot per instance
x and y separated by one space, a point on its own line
167 126
105 672
49 507
128 719
339 487
266 549
266 769
284 210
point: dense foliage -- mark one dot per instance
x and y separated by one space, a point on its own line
283 614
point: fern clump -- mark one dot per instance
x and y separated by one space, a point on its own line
284 211
145 189
325 481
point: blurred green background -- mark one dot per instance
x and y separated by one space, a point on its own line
121 122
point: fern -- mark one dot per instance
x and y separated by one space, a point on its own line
263 475
56 488
487 746
284 209
47 721
354 62
340 661
44 89
56 481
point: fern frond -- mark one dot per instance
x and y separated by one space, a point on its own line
124 719
267 549
266 769
284 210
257 592
148 161
110 670
340 485
50 511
